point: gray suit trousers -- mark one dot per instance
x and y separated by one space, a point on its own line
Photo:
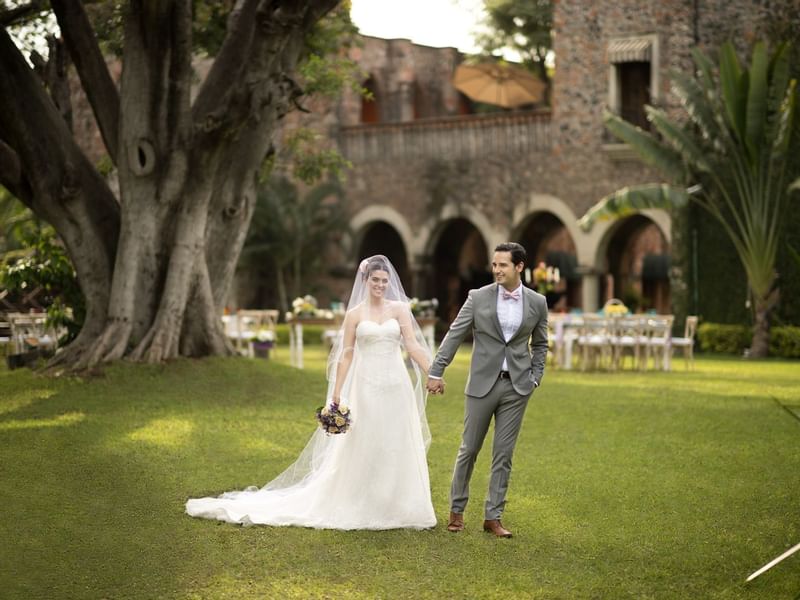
508 408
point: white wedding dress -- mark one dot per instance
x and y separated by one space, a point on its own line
375 476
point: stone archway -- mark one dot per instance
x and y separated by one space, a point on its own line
379 237
371 102
460 262
635 255
549 242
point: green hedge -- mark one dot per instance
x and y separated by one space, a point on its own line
784 341
312 334
723 338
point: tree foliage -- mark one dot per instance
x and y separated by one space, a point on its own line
290 231
523 26
43 263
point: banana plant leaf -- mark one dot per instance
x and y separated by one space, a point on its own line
630 200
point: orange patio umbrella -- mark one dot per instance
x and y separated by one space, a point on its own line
499 84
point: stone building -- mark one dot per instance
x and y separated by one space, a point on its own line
435 187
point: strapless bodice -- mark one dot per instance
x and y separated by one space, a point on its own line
378 338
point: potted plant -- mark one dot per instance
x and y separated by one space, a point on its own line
262 342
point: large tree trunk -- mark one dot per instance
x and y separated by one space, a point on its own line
156 265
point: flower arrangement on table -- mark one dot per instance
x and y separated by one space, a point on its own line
424 308
334 419
306 307
545 278
614 309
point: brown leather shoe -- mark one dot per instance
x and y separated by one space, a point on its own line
496 527
456 523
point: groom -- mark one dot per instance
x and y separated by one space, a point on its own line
509 329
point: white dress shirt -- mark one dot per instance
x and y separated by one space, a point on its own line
509 313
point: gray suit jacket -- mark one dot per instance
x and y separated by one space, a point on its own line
525 352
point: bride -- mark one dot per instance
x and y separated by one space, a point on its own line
375 476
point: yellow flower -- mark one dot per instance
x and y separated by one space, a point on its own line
325 412
343 409
340 421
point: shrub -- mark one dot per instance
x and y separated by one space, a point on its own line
723 339
785 341
45 263
312 334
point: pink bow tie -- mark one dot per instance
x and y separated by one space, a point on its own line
511 295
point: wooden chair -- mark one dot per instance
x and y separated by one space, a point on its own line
687 341
243 326
29 331
5 334
628 333
659 340
594 342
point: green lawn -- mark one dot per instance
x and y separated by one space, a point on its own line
657 485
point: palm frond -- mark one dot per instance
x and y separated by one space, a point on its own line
784 123
694 98
779 77
650 150
731 82
631 200
679 139
705 68
756 109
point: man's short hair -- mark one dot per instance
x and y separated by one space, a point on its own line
518 253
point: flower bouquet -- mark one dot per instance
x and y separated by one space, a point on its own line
334 419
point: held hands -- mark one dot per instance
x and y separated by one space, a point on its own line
435 386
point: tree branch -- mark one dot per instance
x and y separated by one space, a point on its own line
20 14
53 72
92 70
213 97
10 169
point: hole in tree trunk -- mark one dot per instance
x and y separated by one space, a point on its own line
143 158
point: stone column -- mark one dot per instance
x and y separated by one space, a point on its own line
420 267
590 288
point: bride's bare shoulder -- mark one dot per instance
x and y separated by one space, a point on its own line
353 314
398 307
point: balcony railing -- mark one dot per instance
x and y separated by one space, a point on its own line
468 136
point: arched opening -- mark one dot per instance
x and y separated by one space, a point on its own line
381 238
460 263
551 247
370 102
465 106
638 262
419 101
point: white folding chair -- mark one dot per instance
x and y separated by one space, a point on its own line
628 333
659 340
594 342
686 343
